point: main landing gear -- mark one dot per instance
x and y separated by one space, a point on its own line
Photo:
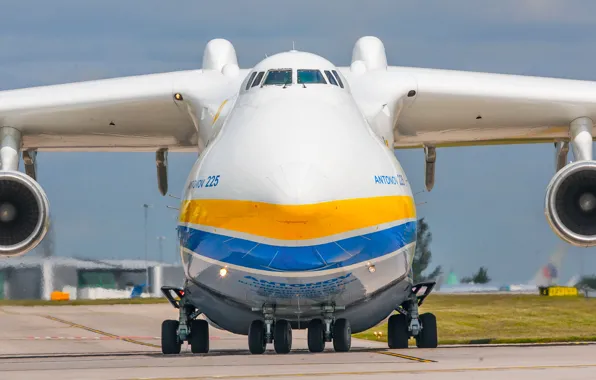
408 323
279 332
186 328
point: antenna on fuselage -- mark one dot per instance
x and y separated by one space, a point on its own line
293 48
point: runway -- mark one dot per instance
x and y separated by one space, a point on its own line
122 342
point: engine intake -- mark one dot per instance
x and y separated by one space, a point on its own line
571 203
24 213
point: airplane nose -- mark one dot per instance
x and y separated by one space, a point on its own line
294 183
299 200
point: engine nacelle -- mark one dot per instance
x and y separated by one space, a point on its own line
570 204
24 213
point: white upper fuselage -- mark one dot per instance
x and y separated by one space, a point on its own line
283 195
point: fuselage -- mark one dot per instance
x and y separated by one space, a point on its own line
296 203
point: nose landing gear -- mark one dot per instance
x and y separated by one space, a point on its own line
282 337
257 338
316 336
329 329
278 332
342 335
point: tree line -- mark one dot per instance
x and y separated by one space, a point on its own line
423 256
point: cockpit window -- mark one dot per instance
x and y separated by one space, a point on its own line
330 78
258 79
278 77
252 76
338 79
311 76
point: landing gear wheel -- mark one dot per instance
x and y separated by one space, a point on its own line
256 337
427 337
170 344
199 336
342 335
282 337
397 331
316 336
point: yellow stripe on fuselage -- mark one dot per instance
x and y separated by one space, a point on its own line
297 222
219 111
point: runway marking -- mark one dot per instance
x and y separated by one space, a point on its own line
116 337
125 339
412 371
82 338
408 357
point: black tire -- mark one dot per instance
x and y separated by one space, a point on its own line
170 344
427 337
256 337
397 331
199 336
316 336
342 335
282 337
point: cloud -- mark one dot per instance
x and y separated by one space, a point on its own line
69 41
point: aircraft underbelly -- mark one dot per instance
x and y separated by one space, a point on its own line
297 292
368 297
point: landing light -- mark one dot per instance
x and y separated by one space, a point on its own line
372 269
223 272
178 96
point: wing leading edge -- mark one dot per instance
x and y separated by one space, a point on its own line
127 114
414 107
454 108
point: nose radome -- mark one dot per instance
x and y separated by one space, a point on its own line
294 183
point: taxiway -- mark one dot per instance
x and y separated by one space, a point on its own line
122 342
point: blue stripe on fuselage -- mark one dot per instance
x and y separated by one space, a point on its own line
317 257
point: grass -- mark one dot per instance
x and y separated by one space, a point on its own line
124 301
467 319
463 319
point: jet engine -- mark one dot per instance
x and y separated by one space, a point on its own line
24 213
570 204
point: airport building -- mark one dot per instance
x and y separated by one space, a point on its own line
37 278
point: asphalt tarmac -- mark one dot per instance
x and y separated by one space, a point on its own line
122 342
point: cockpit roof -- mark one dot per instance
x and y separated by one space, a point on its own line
294 60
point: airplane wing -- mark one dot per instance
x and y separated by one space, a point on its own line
120 114
442 108
416 107
453 108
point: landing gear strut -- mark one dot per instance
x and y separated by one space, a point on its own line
186 328
329 329
279 332
269 330
408 323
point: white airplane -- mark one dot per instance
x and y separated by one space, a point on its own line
297 213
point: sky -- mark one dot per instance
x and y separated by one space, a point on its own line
487 206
